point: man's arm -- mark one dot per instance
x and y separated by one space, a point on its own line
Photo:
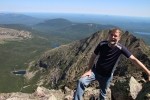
140 64
90 65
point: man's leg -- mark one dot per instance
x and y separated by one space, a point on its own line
82 83
104 84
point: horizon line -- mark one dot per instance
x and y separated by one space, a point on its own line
8 12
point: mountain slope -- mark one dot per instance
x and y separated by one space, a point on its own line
65 64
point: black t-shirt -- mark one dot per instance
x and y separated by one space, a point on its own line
108 57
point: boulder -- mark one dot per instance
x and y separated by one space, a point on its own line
126 89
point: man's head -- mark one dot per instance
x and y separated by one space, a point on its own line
114 36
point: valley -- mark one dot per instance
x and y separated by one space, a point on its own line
18 51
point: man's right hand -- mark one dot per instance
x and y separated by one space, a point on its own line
87 73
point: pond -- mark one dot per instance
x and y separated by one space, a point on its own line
19 72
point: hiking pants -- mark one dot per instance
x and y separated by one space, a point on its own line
104 83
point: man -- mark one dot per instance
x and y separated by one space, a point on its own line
108 53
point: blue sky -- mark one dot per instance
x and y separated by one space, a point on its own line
139 8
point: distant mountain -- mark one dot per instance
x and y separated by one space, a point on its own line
68 29
53 24
124 22
61 21
16 26
15 18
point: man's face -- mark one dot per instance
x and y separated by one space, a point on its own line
114 37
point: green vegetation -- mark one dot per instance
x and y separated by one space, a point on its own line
15 55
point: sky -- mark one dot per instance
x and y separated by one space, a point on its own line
138 8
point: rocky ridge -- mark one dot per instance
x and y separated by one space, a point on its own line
65 64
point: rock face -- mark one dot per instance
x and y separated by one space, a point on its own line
64 65
135 87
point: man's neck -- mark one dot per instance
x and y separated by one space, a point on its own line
112 45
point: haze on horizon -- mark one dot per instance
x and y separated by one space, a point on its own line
135 8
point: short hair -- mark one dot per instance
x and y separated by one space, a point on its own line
114 30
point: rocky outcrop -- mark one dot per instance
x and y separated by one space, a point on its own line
128 89
40 94
12 34
65 64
